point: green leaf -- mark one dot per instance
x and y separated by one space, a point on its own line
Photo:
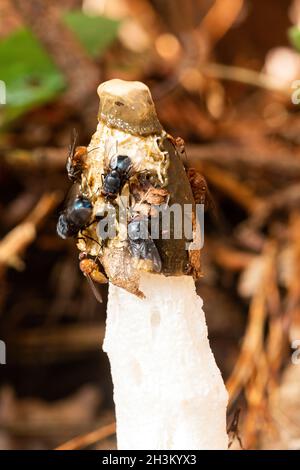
30 76
28 73
294 37
94 32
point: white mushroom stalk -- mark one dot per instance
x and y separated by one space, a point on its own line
168 390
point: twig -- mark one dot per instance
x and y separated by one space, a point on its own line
228 184
227 154
224 154
252 345
228 257
56 342
15 242
243 75
293 284
51 158
81 442
286 198
263 381
220 18
257 402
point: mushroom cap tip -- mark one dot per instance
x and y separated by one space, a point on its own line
120 87
128 105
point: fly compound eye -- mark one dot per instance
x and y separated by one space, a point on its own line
64 228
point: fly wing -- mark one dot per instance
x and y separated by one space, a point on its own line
72 147
146 250
71 195
95 289
113 162
153 254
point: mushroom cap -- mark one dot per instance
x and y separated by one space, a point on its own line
128 106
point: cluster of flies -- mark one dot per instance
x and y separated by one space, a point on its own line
78 213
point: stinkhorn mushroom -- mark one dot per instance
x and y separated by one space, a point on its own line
168 390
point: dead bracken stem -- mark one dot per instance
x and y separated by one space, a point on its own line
243 75
15 242
252 345
256 370
89 439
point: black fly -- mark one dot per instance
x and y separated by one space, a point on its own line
119 172
75 217
141 245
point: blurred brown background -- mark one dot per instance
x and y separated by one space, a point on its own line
221 73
